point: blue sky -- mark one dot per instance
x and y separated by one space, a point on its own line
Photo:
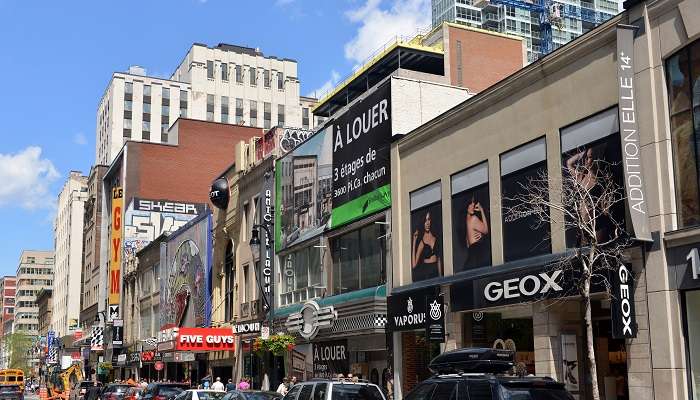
58 56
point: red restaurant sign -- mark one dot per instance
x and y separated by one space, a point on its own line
204 339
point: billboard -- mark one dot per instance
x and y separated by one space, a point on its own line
115 246
185 275
303 191
146 219
471 219
361 166
426 233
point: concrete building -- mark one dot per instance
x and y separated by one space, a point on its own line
45 303
92 234
34 272
7 305
570 19
68 250
478 151
226 83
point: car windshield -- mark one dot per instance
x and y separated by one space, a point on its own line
210 395
532 393
170 391
259 396
355 392
117 388
9 388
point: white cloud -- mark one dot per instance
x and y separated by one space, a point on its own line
80 139
326 86
379 25
25 178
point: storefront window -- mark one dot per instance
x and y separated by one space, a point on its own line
683 78
301 276
471 220
692 303
524 233
426 233
359 259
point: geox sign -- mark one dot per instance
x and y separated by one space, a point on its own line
527 286
624 323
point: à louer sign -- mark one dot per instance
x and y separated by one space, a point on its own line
204 339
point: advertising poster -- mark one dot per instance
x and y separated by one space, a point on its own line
303 182
115 247
426 233
361 167
330 359
524 233
185 275
471 219
591 150
569 356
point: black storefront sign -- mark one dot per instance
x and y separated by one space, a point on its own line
684 266
624 322
267 266
407 311
435 318
331 358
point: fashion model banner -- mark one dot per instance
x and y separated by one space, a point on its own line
267 266
471 219
426 232
629 134
331 358
115 247
361 167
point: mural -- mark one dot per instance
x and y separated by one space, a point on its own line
185 290
146 219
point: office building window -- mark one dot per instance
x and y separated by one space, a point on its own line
267 115
210 69
280 80
239 74
683 77
128 104
146 108
166 96
239 111
305 117
127 128
146 130
129 87
146 93
359 259
266 78
183 103
302 275
253 113
253 76
224 71
210 107
280 115
224 109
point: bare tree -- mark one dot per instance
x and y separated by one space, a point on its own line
587 203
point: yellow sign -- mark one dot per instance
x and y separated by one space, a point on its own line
115 247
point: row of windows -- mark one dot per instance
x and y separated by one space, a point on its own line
239 74
146 115
36 270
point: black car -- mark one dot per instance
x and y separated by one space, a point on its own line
11 392
163 391
479 374
251 395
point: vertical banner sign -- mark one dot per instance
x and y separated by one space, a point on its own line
361 168
569 357
624 322
266 219
331 359
115 246
629 134
435 321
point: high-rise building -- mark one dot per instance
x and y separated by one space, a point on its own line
226 83
68 248
569 18
35 272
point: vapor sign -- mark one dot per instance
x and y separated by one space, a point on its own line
361 168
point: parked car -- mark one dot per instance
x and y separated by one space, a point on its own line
114 391
94 392
163 391
79 391
480 373
335 389
11 392
133 393
251 395
201 394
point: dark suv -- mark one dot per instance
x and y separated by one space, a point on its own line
163 391
478 374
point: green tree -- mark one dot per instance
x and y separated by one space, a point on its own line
18 346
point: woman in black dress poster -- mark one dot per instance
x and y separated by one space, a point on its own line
426 246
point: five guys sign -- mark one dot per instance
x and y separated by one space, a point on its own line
116 246
204 339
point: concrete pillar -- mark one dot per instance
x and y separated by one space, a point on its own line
639 376
398 365
453 326
547 345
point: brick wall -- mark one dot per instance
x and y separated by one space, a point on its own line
184 172
486 57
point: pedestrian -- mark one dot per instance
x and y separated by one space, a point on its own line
283 388
230 385
217 385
